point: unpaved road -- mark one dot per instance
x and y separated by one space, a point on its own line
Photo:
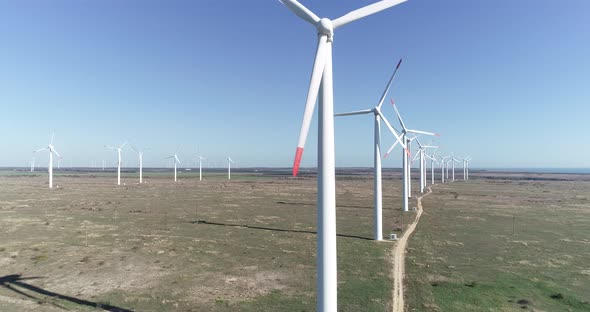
399 255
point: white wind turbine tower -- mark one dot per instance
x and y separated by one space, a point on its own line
51 150
450 161
453 160
409 168
176 161
229 162
465 167
140 155
422 154
405 169
33 163
432 161
320 88
378 196
201 158
442 168
118 149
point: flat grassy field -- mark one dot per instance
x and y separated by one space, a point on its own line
505 242
248 244
502 245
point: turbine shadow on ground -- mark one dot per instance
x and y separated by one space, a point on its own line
314 204
273 229
9 281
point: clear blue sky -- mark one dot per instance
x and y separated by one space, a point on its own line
504 81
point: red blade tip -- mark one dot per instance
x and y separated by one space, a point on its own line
386 154
392 102
437 134
297 162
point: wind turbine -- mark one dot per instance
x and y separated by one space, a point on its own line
175 160
201 158
320 88
442 167
118 149
406 171
447 165
51 150
409 167
453 160
422 153
432 161
465 167
33 163
378 195
140 155
229 162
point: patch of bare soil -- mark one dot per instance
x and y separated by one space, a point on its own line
235 288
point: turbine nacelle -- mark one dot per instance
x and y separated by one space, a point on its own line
326 27
377 111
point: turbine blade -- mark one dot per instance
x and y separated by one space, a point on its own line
399 117
52 135
133 147
39 150
301 11
390 149
125 143
360 112
110 147
56 153
176 158
312 95
392 129
418 141
365 11
423 132
389 84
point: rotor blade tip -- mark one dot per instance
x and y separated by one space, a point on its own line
386 155
297 162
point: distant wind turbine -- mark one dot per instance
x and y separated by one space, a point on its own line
176 161
466 167
406 171
442 167
140 155
409 167
432 161
229 162
51 150
422 153
201 158
453 160
377 180
118 149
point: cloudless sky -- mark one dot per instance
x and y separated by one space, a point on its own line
504 81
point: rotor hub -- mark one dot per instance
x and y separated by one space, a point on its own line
326 27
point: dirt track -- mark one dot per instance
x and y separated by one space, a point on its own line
398 254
